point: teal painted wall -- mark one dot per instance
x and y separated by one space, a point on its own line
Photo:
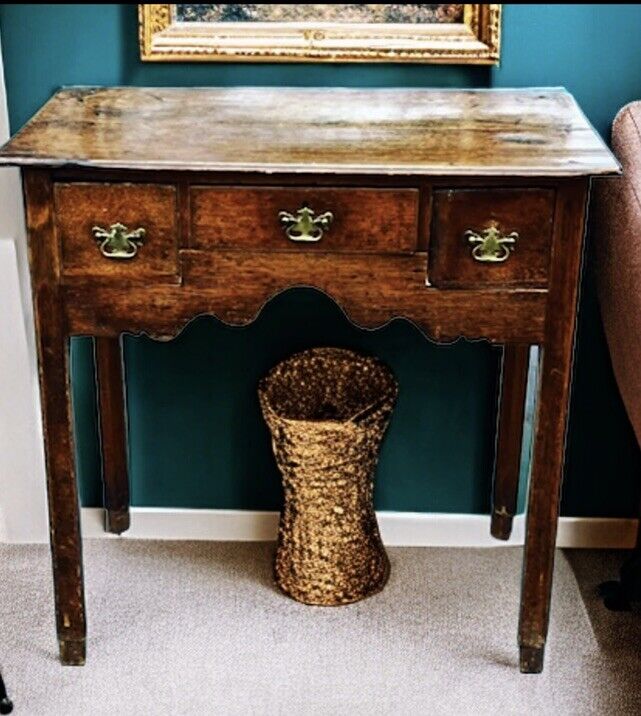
196 436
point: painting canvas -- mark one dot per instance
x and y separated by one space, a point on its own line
228 12
446 33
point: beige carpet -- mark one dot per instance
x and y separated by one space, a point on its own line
198 628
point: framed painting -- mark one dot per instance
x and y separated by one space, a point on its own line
455 34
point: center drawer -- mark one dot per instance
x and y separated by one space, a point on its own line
350 220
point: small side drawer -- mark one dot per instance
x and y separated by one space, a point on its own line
482 238
359 220
148 254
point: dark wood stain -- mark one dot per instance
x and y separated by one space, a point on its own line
406 172
53 357
113 432
528 212
81 206
551 423
372 290
364 220
509 439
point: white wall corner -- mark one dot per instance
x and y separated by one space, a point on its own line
23 512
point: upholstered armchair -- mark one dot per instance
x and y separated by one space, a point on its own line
616 224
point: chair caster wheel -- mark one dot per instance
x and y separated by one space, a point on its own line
6 707
614 596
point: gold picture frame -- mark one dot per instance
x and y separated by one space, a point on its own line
476 40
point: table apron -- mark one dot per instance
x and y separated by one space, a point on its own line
162 312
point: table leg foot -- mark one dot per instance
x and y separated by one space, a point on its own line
531 659
117 521
501 526
73 652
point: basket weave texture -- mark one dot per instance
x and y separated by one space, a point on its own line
328 410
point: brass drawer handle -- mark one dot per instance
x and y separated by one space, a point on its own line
304 225
117 242
490 246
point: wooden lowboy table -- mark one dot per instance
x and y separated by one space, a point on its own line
462 211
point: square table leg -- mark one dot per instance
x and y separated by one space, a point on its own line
555 378
64 512
514 375
113 432
53 357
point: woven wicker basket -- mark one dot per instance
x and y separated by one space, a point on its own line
328 410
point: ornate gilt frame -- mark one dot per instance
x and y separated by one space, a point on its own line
475 41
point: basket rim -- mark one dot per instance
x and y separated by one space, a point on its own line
390 397
389 394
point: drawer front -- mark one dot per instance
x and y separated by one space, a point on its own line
491 237
273 219
93 246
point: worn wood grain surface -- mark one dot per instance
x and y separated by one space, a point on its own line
79 206
53 360
551 424
187 164
372 290
381 131
509 438
112 413
528 212
364 220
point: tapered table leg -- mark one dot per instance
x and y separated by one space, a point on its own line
64 513
509 438
53 357
113 432
555 377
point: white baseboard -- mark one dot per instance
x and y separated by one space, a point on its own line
405 529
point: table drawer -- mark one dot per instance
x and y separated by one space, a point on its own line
144 246
342 219
491 237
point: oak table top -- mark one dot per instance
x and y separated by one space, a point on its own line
520 132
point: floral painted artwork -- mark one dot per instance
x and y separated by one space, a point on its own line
334 13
